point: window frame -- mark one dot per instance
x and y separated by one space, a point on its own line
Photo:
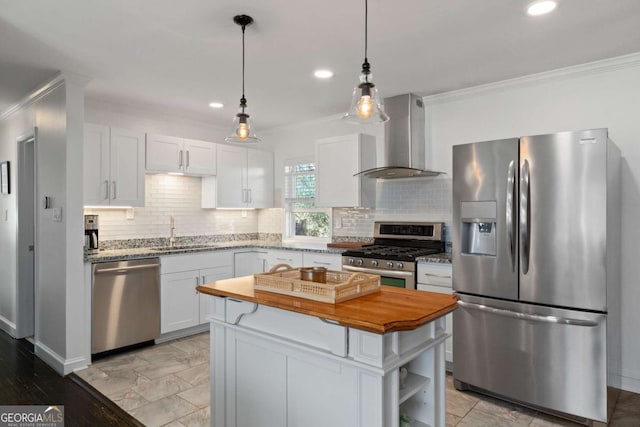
290 212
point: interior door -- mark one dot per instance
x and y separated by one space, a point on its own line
563 183
485 204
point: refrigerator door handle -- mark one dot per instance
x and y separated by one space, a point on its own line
525 316
510 211
525 215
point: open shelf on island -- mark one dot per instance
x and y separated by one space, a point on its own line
412 384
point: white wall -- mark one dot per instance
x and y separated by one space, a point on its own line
58 266
605 94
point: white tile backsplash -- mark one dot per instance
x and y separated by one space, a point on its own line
166 195
421 199
179 196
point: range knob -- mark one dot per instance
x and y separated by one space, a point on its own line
374 263
350 261
389 264
400 265
359 262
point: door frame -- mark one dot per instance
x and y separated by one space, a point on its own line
26 293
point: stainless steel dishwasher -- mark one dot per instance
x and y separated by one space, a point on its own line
125 303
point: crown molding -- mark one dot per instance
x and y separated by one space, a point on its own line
587 69
44 89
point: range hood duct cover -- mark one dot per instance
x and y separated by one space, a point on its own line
404 140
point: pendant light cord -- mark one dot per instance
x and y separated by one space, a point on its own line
243 101
366 20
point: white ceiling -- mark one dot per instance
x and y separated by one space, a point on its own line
177 56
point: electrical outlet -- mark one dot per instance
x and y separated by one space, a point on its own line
129 213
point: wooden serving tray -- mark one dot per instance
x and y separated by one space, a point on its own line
340 285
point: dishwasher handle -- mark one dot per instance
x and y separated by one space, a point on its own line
125 269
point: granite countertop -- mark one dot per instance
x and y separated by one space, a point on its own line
441 258
391 309
153 252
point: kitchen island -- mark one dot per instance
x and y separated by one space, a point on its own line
286 361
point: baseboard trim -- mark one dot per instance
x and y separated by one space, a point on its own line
624 383
59 364
7 326
170 336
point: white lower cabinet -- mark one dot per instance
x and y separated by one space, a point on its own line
272 367
248 262
181 306
437 278
179 301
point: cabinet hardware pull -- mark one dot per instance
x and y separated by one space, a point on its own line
106 189
249 195
321 263
180 159
526 316
187 158
197 281
124 269
113 196
437 275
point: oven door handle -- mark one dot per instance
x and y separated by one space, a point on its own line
388 273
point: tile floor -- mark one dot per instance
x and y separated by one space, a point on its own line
168 385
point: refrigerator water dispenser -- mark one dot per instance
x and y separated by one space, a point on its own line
478 228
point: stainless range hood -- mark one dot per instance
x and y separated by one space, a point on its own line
404 140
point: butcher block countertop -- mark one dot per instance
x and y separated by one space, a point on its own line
391 309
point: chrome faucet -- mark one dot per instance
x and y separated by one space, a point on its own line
172 237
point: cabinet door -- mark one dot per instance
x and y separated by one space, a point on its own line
127 167
448 318
231 176
257 384
164 154
209 275
199 157
96 165
330 261
337 160
315 384
180 302
260 178
248 263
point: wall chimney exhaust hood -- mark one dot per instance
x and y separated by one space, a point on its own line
404 140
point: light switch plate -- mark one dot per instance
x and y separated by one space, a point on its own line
57 214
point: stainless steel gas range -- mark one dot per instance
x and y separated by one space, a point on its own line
394 251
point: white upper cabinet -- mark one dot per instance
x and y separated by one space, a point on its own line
244 179
180 155
337 160
113 166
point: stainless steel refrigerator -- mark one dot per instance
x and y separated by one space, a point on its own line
536 248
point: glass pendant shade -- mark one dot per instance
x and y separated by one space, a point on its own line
242 129
365 103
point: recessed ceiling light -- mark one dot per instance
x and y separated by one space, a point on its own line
216 105
323 74
541 7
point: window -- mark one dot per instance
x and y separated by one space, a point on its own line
303 221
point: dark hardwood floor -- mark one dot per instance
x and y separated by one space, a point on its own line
27 380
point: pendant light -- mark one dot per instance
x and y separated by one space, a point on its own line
365 101
242 126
